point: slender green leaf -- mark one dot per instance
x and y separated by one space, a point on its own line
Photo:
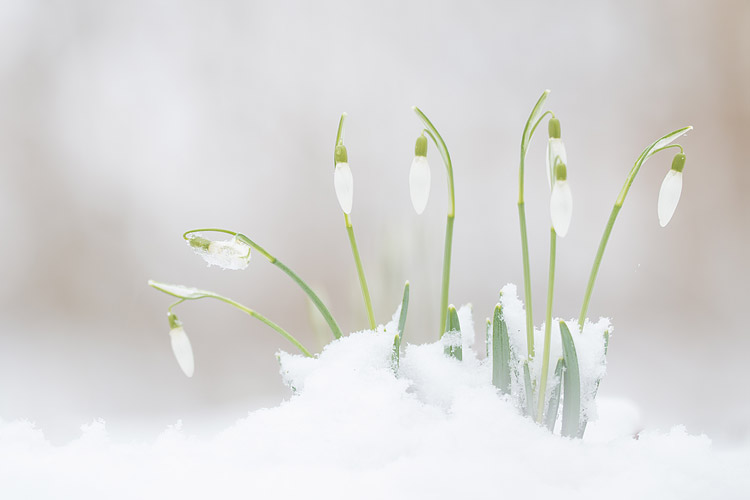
180 291
554 400
584 420
404 309
572 385
532 119
453 347
530 406
396 355
664 141
488 338
500 352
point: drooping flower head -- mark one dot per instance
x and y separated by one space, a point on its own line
181 347
671 188
227 254
343 181
561 201
419 176
555 149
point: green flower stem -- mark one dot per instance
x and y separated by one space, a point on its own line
440 144
547 324
273 260
360 272
353 240
528 132
205 294
658 145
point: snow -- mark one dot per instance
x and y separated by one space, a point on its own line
353 429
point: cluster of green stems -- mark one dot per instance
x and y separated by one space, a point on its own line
340 155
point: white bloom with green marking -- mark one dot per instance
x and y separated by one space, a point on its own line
561 201
181 347
343 181
671 189
419 176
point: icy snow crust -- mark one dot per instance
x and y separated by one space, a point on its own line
354 430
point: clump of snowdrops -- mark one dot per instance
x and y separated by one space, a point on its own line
536 394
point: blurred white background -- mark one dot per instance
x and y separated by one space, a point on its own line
123 124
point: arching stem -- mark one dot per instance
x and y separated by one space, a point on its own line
447 250
658 145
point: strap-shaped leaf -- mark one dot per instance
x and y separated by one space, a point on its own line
453 332
664 141
180 291
530 406
571 385
396 355
500 352
532 120
554 400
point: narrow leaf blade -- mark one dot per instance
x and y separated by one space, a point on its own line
571 385
180 291
554 400
500 352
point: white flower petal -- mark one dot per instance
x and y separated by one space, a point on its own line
182 350
419 183
555 148
344 184
669 196
561 207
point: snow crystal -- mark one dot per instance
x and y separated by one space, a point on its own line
226 254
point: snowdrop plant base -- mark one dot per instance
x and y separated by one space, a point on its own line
518 370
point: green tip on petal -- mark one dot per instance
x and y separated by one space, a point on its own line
678 162
340 155
561 172
420 148
554 128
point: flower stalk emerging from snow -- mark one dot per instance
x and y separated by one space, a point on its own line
658 145
419 176
514 372
241 238
431 131
344 192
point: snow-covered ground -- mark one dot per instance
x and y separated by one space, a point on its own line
353 429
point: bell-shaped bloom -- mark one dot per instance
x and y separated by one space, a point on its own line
227 254
419 183
344 184
181 347
561 201
555 154
669 196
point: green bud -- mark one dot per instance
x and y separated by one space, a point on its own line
420 148
678 162
199 242
340 156
561 172
173 321
554 128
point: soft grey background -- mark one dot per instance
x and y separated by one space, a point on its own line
123 124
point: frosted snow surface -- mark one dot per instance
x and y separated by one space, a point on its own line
353 430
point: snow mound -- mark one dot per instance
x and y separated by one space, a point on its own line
353 429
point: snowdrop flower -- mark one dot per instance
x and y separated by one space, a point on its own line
181 347
671 188
561 201
555 149
227 254
343 180
419 176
